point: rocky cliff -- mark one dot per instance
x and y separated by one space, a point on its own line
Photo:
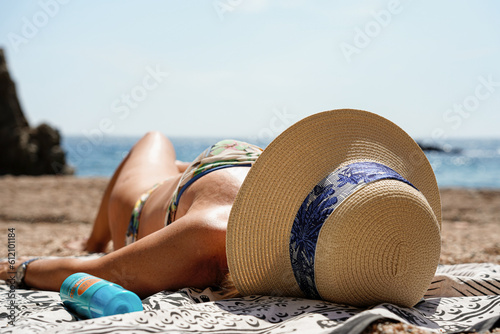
23 149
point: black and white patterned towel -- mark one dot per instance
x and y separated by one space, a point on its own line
461 298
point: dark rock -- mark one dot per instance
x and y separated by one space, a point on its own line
25 150
440 149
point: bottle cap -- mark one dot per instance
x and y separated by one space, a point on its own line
113 299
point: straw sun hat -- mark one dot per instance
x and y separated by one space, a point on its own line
342 206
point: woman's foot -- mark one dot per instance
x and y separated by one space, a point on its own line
85 244
76 244
95 247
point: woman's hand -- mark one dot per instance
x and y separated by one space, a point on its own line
44 273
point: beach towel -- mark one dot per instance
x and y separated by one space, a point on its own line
462 298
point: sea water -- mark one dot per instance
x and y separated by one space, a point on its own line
472 163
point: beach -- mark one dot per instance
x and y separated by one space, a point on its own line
50 212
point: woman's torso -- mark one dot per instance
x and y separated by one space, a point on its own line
213 193
210 183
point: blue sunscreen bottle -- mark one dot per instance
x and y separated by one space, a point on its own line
93 297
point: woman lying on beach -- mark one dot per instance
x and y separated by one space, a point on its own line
174 239
342 206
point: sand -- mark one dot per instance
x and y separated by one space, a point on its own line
50 211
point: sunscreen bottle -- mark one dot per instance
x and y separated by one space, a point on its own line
93 297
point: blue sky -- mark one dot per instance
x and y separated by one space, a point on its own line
252 68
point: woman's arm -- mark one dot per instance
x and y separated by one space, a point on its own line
189 252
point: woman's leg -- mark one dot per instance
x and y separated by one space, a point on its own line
101 234
151 160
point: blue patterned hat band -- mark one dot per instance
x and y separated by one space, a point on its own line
318 206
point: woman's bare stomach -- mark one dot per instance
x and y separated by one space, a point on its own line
213 190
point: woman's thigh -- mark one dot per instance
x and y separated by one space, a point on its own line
151 160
